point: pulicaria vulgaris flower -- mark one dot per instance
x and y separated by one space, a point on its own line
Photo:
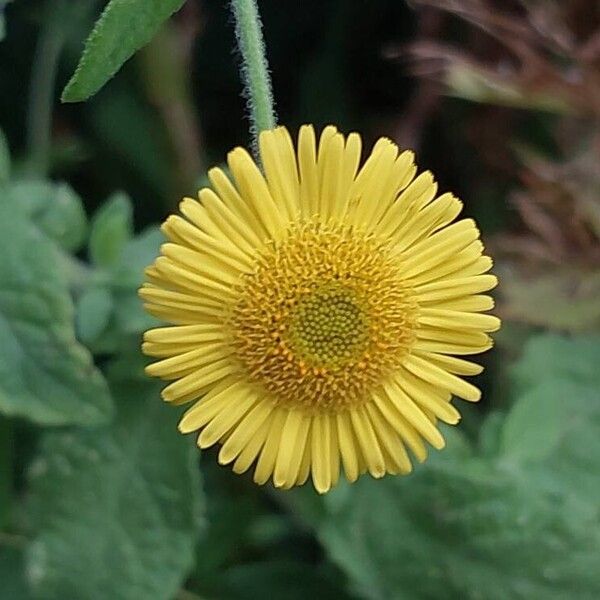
317 308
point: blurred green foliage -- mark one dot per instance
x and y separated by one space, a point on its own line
99 495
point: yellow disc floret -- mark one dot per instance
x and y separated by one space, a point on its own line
323 318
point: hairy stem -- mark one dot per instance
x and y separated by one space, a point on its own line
255 70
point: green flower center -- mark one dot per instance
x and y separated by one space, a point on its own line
328 327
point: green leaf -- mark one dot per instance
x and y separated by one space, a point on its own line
122 29
45 375
12 574
55 208
116 511
515 519
136 256
552 429
118 315
130 316
128 276
550 357
94 309
112 227
539 421
467 530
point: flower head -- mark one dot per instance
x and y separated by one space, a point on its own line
318 307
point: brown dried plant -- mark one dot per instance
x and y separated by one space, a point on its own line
537 55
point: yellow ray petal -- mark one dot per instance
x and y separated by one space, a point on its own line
347 446
438 247
449 269
166 350
222 275
294 430
441 347
351 161
282 180
309 177
184 300
268 454
431 218
395 418
413 414
188 362
226 420
455 288
458 366
370 186
463 338
250 451
389 440
366 171
304 470
253 187
296 468
380 189
434 402
475 303
181 277
320 452
331 171
179 316
363 430
334 453
438 376
184 233
457 320
404 170
419 193
226 190
243 433
187 334
210 405
290 164
233 227
198 381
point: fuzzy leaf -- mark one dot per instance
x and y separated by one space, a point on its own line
55 208
112 227
116 510
94 309
122 29
46 376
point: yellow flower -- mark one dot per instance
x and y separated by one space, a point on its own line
316 308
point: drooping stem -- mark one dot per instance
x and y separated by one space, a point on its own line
41 93
254 69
